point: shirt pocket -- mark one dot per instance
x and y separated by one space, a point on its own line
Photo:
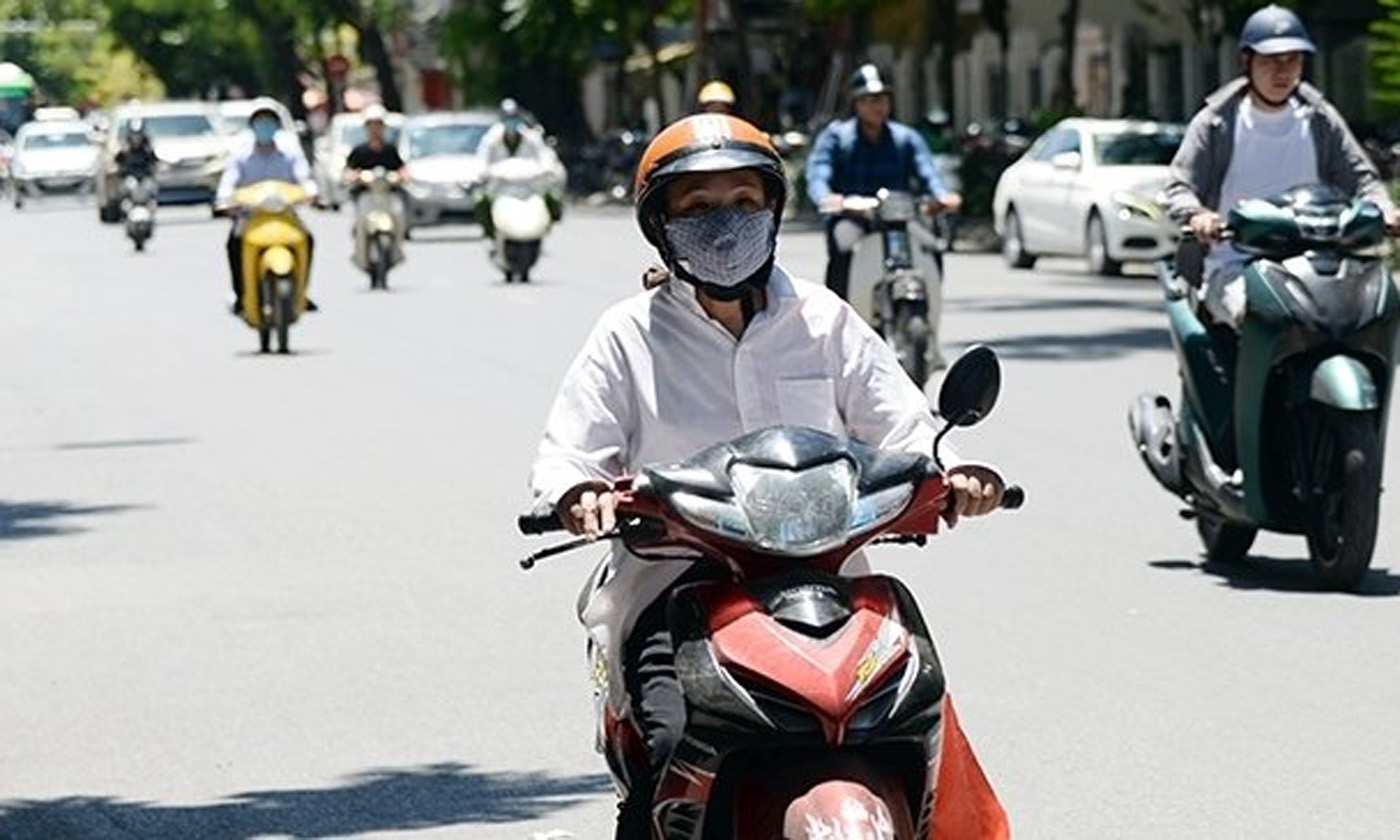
810 402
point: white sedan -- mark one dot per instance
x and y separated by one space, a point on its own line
1088 188
57 156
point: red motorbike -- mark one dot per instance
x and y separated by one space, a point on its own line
815 703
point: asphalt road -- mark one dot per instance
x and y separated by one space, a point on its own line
248 596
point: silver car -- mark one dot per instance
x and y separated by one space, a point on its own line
191 150
444 169
1088 188
52 156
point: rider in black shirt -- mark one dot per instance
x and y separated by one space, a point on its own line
376 151
137 157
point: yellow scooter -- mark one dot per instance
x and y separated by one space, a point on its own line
276 259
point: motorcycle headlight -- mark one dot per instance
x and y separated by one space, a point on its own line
799 513
273 203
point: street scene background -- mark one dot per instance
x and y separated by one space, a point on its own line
256 596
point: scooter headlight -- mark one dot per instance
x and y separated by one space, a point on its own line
800 513
273 203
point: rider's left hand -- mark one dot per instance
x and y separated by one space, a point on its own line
1392 222
976 491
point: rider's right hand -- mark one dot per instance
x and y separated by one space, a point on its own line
831 203
1206 226
588 509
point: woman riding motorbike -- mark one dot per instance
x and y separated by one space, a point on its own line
725 342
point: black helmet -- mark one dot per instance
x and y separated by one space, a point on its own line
867 81
1274 29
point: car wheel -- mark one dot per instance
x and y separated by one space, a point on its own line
1096 246
1013 247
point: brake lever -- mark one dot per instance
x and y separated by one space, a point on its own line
635 528
528 563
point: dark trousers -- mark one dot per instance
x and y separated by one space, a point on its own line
838 264
649 671
234 246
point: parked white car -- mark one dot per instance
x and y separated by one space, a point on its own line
1089 188
53 156
345 132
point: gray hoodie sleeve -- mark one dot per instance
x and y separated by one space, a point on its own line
1348 165
1188 184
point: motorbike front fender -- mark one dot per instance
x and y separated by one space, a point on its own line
1344 383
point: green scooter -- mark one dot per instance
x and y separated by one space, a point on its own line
1283 428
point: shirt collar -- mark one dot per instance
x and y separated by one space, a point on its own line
780 294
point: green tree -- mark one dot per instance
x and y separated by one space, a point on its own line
539 50
1385 57
66 46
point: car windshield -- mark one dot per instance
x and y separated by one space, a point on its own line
354 134
446 139
172 125
1136 148
66 140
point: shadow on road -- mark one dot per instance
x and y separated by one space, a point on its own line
1082 347
383 800
420 238
26 520
1276 574
123 443
1029 304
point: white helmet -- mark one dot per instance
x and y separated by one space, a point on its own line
375 113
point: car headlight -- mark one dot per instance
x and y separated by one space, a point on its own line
1131 206
418 189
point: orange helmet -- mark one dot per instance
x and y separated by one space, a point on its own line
703 143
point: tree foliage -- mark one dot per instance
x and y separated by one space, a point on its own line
1385 56
73 57
538 51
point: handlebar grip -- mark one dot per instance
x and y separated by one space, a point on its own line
539 523
1013 497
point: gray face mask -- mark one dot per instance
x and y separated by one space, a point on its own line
722 247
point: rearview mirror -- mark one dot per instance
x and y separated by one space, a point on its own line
970 388
1066 160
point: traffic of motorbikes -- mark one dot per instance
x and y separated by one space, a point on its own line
804 687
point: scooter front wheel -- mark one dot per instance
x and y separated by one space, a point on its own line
1343 514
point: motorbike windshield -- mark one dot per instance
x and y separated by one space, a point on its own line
1308 217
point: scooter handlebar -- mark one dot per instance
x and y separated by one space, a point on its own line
539 523
1012 497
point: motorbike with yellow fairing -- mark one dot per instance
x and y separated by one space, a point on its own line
276 259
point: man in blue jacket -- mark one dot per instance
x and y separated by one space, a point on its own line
863 154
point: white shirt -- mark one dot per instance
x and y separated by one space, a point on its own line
1273 152
253 164
493 149
659 379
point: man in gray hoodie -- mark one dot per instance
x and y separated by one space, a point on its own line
1256 137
